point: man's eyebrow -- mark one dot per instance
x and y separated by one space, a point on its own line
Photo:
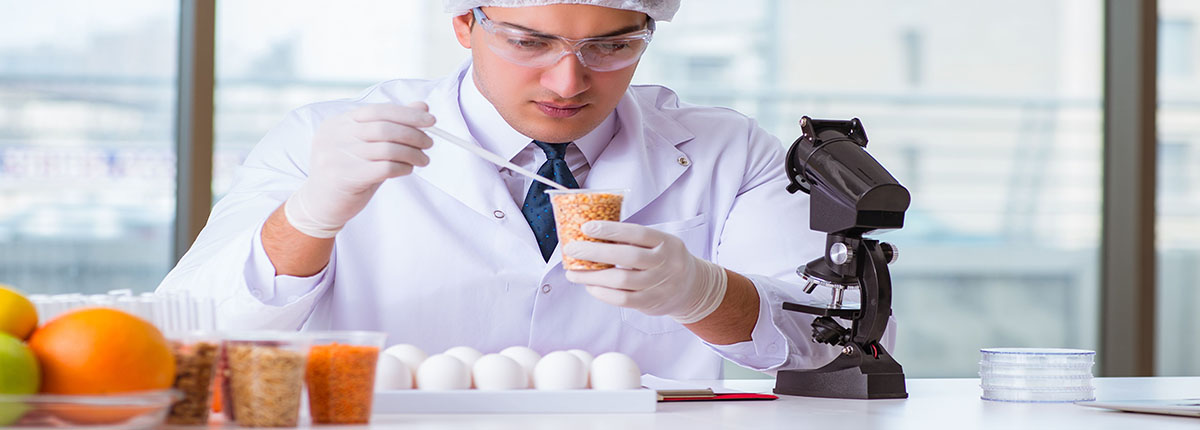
617 32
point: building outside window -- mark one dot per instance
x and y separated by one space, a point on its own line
87 158
996 132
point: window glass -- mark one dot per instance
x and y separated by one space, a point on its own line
995 131
273 56
87 158
1178 198
990 115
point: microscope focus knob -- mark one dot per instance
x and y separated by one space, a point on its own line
891 252
839 253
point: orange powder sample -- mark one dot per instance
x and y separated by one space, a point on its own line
341 383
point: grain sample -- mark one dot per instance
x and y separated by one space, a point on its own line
574 208
265 385
195 364
341 382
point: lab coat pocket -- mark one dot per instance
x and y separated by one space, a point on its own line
692 231
694 234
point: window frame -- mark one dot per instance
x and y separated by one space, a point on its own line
1127 343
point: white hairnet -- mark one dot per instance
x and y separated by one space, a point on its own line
660 10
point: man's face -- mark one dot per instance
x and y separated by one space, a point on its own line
560 102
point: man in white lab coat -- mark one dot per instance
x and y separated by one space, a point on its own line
348 216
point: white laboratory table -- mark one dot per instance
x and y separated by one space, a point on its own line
932 403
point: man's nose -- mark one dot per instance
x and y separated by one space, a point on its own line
567 78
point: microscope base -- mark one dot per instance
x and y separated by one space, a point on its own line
845 383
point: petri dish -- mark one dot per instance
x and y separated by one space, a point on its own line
1038 396
1037 356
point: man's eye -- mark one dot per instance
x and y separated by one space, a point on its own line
612 46
527 43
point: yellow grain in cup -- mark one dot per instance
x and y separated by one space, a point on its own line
573 208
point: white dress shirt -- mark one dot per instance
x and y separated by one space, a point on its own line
495 135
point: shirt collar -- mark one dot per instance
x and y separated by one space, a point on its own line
495 135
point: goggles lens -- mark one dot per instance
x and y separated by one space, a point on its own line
530 49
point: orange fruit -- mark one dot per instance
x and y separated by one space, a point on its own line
18 317
102 351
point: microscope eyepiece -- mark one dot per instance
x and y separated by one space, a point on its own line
851 192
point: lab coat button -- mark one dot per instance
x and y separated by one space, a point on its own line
683 161
546 288
499 214
772 347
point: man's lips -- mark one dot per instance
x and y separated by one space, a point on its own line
554 110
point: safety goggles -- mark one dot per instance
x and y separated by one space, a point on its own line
533 49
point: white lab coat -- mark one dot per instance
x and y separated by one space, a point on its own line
444 257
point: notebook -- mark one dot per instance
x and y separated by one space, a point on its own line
1181 407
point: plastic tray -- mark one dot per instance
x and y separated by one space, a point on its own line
142 410
514 401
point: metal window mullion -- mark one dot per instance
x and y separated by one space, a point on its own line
1127 326
194 121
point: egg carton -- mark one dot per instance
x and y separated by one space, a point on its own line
527 401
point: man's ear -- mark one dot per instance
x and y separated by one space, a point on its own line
462 29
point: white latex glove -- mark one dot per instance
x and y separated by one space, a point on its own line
352 154
655 273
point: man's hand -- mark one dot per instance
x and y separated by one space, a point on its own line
655 274
352 154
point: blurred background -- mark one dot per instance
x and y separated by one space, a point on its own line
992 115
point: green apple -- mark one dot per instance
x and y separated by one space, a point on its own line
19 374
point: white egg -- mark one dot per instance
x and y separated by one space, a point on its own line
443 372
615 371
392 374
409 354
559 370
524 356
497 372
586 358
467 354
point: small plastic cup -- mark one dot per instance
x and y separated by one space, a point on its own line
196 357
341 375
573 208
266 377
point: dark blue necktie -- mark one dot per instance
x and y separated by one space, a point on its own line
537 203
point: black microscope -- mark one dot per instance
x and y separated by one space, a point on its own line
851 195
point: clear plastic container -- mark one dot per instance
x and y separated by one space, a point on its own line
266 377
175 311
573 208
196 356
1038 396
341 375
140 410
